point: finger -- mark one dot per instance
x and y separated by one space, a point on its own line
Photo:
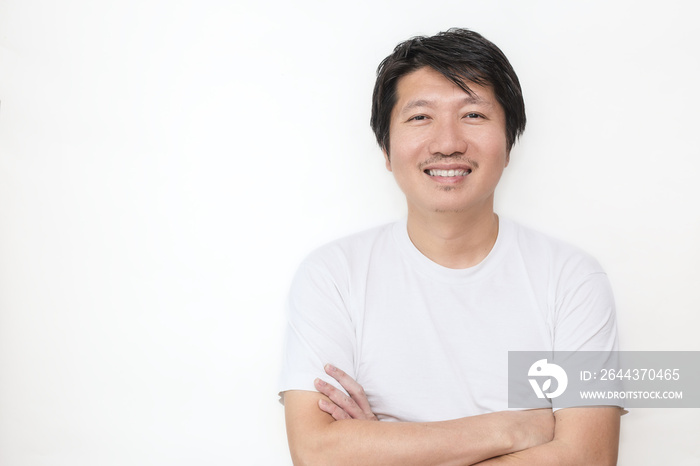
338 397
333 410
341 400
356 391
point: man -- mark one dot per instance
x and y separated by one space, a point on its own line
412 322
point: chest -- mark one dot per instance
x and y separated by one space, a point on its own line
432 351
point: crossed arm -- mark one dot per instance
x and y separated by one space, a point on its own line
329 428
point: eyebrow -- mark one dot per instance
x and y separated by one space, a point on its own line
469 99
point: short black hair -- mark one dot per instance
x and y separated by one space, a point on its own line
463 57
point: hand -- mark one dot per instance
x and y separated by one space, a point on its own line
342 406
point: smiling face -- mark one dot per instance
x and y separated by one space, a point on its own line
447 148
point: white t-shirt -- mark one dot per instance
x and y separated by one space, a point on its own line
429 343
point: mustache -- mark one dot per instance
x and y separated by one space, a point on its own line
452 159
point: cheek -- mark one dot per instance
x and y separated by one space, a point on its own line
494 145
401 160
402 169
405 148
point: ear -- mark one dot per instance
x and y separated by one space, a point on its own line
387 160
507 158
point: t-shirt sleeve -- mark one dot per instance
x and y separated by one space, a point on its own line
586 326
585 316
319 326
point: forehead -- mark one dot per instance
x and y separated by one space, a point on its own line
428 87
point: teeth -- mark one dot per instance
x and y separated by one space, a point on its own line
448 172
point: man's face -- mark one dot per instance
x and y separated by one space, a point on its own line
447 149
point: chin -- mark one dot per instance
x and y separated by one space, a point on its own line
448 207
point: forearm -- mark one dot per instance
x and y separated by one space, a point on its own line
583 436
357 442
316 438
553 453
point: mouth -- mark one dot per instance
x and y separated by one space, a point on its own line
447 173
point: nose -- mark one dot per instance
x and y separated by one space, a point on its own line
448 139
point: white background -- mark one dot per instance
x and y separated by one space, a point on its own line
165 165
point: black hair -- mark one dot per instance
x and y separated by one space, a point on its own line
462 56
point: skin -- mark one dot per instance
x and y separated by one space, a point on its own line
582 436
318 438
435 125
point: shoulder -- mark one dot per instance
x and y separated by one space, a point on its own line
349 250
579 297
346 259
559 257
332 274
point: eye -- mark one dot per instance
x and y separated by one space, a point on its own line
473 115
418 118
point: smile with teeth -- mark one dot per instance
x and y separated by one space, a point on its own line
448 172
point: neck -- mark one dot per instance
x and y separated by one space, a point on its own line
456 240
